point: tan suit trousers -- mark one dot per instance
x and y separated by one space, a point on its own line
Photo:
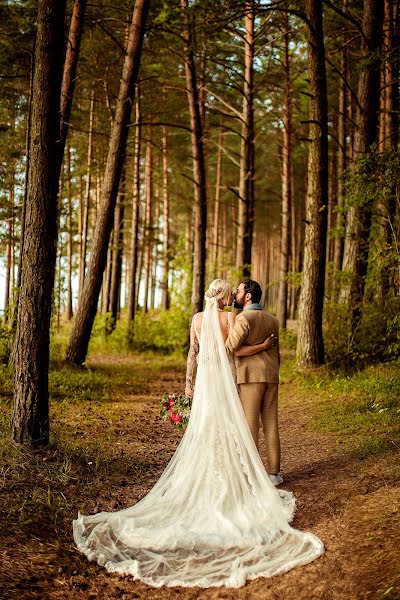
261 399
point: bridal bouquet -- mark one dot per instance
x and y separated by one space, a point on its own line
176 408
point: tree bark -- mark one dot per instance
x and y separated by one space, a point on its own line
30 421
69 312
356 248
165 251
134 246
342 157
86 206
389 135
217 203
116 265
310 346
8 288
246 184
107 281
147 225
199 173
78 344
282 309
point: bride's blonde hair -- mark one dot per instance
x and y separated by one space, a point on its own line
219 289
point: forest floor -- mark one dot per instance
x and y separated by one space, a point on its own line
341 457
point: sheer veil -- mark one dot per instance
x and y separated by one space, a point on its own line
213 518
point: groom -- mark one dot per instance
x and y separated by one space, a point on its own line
258 375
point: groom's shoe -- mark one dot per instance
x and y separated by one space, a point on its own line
276 479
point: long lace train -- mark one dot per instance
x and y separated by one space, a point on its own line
213 518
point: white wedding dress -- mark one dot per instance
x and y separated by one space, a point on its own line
214 518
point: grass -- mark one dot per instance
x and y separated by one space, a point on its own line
363 405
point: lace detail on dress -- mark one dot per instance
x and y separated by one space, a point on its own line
193 354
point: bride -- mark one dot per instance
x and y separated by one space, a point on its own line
214 518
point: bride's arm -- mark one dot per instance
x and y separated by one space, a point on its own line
191 361
250 350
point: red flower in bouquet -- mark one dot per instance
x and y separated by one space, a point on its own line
175 418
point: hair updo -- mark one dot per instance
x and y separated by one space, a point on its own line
220 290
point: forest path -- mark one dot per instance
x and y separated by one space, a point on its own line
116 448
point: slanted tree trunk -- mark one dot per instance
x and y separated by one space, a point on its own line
30 422
286 188
199 173
79 341
310 346
165 250
69 312
86 206
246 183
134 246
356 248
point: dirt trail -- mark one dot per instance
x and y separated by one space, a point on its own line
352 505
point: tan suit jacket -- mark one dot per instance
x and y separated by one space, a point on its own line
253 327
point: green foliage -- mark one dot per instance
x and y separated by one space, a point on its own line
5 343
366 403
162 331
376 339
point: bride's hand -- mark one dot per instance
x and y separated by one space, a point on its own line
270 342
188 392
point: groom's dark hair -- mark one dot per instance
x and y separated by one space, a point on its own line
253 288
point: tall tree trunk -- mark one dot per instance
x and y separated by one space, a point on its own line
86 207
69 312
342 157
217 204
332 193
148 225
31 410
78 344
356 247
24 202
107 281
294 218
246 184
8 288
155 236
286 187
389 134
310 346
134 245
165 251
116 266
199 172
